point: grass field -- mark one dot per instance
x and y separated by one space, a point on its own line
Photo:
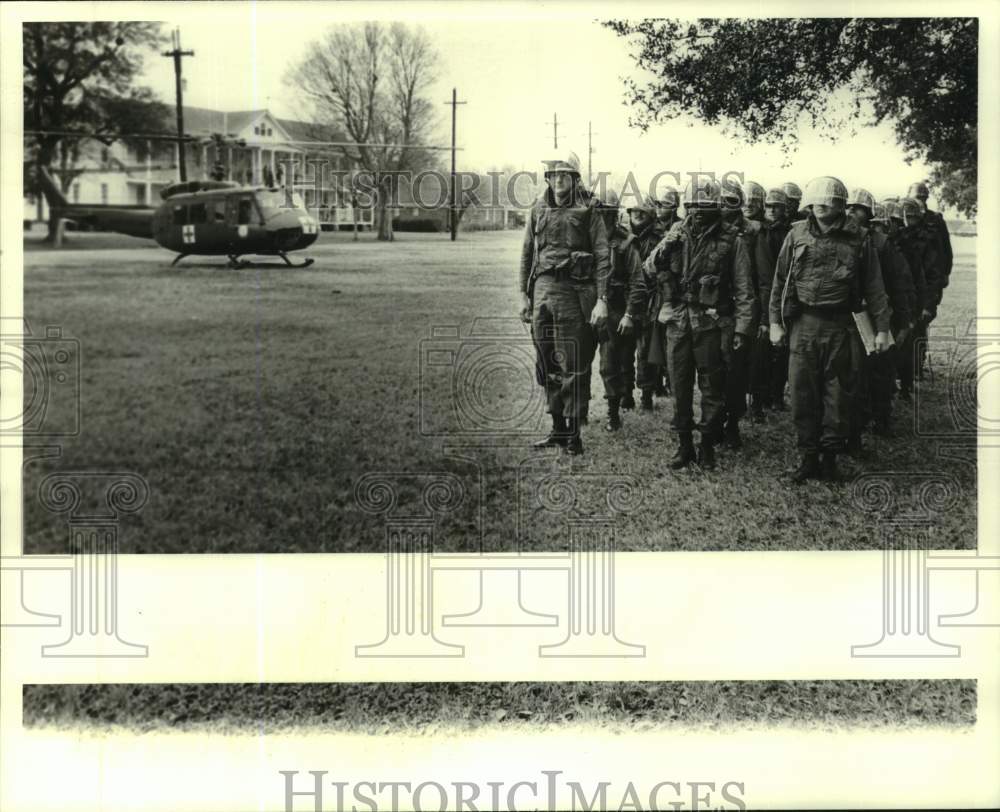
253 401
426 708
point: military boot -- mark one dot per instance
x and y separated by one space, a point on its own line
647 400
684 453
829 466
757 412
557 436
808 469
732 437
706 453
574 445
906 393
628 402
614 418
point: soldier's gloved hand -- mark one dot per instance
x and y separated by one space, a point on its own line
762 331
625 326
777 334
738 340
882 341
599 315
525 308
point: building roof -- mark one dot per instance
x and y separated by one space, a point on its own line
204 121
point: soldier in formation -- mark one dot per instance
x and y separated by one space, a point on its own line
826 293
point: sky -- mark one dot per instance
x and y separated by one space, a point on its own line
514 75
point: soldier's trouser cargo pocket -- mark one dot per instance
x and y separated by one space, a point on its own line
565 341
822 380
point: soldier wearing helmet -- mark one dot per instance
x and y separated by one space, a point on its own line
650 355
920 246
937 233
935 222
565 266
626 306
878 372
793 194
703 277
737 200
753 202
667 204
825 268
768 365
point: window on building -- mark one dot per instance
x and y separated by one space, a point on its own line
180 216
105 155
104 194
270 131
76 192
140 195
198 214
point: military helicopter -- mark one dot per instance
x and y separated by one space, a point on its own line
205 218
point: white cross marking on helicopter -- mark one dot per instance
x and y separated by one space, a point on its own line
187 232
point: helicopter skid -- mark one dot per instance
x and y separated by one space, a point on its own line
236 263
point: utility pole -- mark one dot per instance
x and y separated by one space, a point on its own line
555 130
453 210
177 54
590 153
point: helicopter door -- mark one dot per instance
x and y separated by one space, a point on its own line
240 214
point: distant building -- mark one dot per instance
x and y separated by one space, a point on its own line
134 175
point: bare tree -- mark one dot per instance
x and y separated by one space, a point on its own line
370 82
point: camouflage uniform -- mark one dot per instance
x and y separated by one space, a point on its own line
650 352
704 284
626 294
827 274
564 269
919 245
902 299
768 365
738 361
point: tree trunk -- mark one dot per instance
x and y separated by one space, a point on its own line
384 220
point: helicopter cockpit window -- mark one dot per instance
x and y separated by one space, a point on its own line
198 214
180 215
218 211
280 199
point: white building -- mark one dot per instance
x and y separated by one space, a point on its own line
124 175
